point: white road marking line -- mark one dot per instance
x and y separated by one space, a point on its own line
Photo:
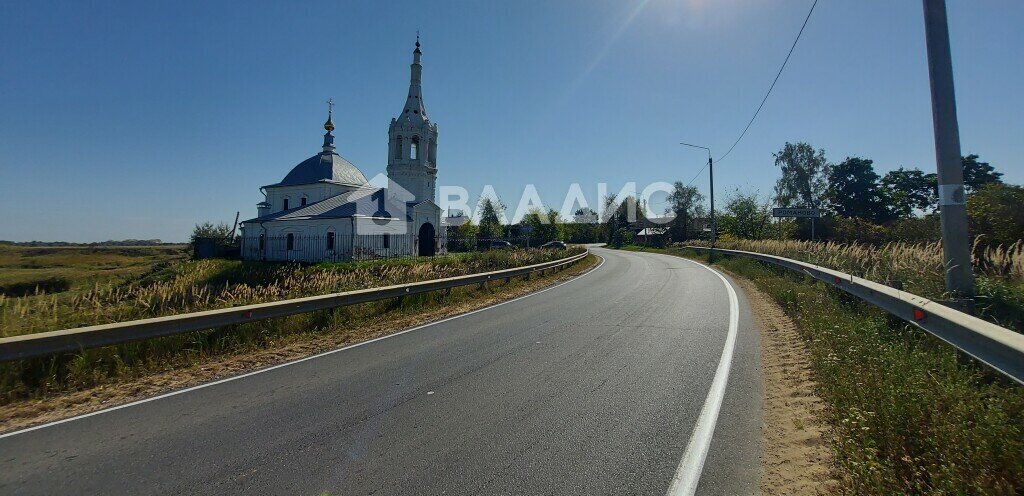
280 365
690 467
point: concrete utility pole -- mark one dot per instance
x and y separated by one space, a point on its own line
711 187
956 243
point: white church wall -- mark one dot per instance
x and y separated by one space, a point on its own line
313 192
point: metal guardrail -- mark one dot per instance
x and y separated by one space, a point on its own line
997 347
68 340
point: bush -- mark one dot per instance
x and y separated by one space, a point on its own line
855 230
48 285
996 211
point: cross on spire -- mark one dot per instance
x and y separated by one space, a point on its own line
329 126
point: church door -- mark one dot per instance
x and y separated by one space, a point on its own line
427 241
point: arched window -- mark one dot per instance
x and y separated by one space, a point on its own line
330 240
398 148
414 152
285 207
263 241
290 241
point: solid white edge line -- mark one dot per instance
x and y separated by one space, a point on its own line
687 475
293 362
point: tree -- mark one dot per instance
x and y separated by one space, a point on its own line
585 215
746 217
994 211
978 174
685 203
490 218
909 190
853 190
542 226
804 176
220 231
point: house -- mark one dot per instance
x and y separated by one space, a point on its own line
325 209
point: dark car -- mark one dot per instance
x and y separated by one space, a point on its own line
498 244
554 245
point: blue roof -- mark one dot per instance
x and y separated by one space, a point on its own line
323 167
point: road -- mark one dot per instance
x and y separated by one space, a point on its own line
594 386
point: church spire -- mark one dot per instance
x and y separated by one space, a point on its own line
329 126
414 110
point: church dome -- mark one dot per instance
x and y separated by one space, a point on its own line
324 167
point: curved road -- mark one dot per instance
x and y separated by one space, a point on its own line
591 387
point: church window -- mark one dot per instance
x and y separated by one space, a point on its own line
387 240
290 241
303 201
263 241
330 240
285 207
415 151
398 148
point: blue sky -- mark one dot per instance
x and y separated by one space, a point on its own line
139 119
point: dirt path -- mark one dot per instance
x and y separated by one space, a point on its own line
797 458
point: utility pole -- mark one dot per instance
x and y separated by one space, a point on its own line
956 244
711 189
711 186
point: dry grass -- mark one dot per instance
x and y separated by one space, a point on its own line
80 267
999 270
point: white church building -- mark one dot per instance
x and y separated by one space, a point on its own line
324 208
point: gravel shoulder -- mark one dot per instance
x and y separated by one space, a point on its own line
797 458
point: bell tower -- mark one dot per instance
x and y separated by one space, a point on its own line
412 141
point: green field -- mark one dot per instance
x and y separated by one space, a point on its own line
58 269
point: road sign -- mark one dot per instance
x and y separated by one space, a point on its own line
797 212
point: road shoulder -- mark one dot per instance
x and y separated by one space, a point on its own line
796 459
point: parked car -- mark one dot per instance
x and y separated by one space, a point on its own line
558 245
498 244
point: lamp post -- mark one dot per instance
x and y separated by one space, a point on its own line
711 188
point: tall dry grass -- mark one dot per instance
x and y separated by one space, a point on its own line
918 268
208 284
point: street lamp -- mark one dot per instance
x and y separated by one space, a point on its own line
711 188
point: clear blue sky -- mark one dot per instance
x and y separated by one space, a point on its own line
139 119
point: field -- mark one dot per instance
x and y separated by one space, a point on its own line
908 414
179 286
24 270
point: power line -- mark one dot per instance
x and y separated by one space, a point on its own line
770 88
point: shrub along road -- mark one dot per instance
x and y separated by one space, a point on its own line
594 386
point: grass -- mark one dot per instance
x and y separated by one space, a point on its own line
59 269
908 414
188 286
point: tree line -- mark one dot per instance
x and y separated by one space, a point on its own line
858 204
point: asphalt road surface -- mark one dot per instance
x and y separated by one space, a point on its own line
596 386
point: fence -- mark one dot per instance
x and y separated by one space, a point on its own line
333 247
